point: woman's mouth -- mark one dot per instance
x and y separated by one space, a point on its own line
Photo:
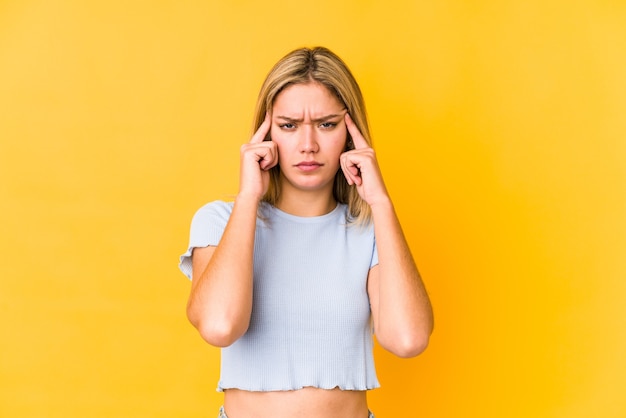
308 165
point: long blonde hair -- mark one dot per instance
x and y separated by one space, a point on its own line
320 65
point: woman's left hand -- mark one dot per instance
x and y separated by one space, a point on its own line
360 167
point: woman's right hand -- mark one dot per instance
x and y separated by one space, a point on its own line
222 274
257 157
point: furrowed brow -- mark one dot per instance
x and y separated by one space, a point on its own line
288 119
316 120
327 118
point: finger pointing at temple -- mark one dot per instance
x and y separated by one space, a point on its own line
357 137
261 133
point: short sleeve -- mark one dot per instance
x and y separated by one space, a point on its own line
374 255
207 227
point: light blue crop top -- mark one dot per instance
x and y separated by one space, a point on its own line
311 319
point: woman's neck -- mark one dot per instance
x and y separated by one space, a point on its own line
306 204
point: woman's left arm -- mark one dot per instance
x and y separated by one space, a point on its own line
401 309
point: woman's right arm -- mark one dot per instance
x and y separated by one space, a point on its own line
220 301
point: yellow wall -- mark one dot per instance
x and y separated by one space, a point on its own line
501 129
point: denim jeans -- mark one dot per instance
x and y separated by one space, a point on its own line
223 414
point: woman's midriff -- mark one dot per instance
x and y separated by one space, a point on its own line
304 403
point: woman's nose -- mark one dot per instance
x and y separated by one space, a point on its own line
308 140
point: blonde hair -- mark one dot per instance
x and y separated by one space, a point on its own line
319 65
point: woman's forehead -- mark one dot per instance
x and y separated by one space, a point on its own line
313 99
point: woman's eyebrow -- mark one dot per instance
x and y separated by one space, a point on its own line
316 120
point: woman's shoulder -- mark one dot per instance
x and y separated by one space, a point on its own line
212 213
216 207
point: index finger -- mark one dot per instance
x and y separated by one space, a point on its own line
261 133
357 138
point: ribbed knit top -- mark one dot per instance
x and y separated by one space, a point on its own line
311 319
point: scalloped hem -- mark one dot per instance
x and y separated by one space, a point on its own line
221 388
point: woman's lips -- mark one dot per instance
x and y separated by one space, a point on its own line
308 165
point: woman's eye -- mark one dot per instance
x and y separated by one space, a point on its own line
287 126
328 125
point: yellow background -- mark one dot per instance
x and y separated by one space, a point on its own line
501 130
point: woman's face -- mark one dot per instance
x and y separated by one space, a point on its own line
309 130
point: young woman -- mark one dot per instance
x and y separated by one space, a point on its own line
293 277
